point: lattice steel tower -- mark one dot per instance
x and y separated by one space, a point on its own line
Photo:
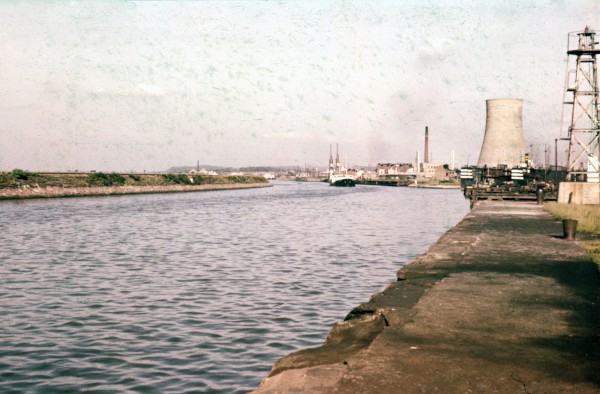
584 129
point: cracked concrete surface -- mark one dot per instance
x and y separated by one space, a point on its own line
501 303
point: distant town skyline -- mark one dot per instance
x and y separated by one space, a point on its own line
148 85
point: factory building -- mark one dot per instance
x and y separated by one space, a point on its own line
394 169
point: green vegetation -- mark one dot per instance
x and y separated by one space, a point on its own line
179 179
243 179
15 178
6 180
21 174
102 179
20 178
588 218
432 182
184 179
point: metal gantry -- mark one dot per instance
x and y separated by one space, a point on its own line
581 94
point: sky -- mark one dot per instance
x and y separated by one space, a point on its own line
147 85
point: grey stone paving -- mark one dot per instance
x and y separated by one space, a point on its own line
500 304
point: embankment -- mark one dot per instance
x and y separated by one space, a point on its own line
20 184
501 303
53 192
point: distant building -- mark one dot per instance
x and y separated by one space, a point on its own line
367 174
445 173
428 170
436 172
393 169
203 172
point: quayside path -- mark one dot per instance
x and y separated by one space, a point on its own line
500 304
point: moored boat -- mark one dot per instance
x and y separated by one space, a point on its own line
338 174
341 180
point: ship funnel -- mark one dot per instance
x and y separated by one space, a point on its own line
504 141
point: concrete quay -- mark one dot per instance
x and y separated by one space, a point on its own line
500 304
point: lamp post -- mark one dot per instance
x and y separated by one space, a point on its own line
556 162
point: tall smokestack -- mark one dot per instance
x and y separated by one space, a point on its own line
426 155
504 141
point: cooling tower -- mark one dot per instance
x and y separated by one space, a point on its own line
504 141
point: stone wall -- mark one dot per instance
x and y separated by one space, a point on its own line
579 193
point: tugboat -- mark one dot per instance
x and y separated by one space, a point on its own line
339 176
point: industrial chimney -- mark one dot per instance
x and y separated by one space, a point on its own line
504 141
426 158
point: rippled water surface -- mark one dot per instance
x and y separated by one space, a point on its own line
195 291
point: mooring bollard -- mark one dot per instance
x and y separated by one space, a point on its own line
540 196
569 228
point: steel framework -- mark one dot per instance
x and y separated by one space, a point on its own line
581 81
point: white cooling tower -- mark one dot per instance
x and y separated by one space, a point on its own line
504 141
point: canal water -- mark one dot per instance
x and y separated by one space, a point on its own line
195 292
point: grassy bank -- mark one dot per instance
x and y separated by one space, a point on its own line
588 217
429 184
19 179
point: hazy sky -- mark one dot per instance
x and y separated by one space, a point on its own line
146 85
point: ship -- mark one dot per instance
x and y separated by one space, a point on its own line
342 180
338 175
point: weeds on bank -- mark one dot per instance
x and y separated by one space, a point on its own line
185 179
20 178
16 178
102 179
21 174
588 216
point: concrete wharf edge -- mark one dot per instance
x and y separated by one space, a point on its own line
501 303
58 192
